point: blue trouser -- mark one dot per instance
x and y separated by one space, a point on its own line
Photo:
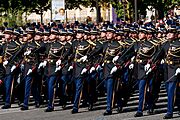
51 85
79 86
110 85
92 87
8 85
28 87
65 79
142 85
170 88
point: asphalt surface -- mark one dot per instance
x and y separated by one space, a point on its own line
33 113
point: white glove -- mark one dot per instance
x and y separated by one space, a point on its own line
27 52
132 59
113 70
29 71
92 69
162 61
115 59
70 68
58 62
84 58
13 68
146 67
5 63
131 66
148 71
177 71
22 66
103 65
98 67
83 71
42 64
57 69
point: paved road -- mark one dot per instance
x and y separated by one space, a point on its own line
38 113
59 114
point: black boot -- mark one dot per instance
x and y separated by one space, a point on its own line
90 108
107 112
74 111
119 109
49 110
138 114
150 112
168 116
24 108
6 107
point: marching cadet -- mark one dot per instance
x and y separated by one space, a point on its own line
80 50
173 69
67 67
53 67
11 57
144 58
113 50
31 65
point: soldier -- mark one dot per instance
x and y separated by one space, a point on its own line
12 57
31 64
144 58
53 67
172 59
67 67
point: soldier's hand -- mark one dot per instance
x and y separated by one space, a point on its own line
57 69
1 82
177 71
29 71
5 63
58 63
132 59
149 70
92 69
84 58
13 68
113 70
162 61
83 71
70 68
131 66
115 59
147 66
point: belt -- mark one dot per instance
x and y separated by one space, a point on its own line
107 61
141 61
51 60
170 62
77 60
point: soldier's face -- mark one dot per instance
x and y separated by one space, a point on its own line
179 35
93 37
68 37
29 36
46 38
63 38
79 35
134 35
170 36
85 37
142 35
52 37
159 35
149 36
109 35
103 34
7 36
25 38
37 37
119 37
